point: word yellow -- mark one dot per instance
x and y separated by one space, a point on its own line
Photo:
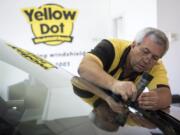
48 14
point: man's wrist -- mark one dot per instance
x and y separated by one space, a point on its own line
112 85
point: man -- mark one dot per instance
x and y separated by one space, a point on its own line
116 65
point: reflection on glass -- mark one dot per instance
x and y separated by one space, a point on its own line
37 101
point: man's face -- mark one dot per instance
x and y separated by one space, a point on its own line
144 56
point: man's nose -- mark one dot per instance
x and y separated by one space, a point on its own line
147 58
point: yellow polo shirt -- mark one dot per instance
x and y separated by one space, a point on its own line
111 55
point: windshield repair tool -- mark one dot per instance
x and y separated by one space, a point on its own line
141 84
98 115
103 117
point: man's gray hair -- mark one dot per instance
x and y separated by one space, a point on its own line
158 36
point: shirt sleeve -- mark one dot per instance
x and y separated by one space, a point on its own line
105 52
160 76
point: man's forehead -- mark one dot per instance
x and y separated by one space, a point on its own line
154 49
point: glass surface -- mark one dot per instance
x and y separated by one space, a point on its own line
34 109
39 101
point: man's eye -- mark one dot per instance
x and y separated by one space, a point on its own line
155 58
145 51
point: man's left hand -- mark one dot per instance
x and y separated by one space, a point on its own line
149 100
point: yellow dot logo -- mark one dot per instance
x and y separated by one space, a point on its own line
51 24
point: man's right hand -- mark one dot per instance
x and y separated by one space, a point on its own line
116 107
126 89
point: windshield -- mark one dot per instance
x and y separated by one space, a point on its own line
38 99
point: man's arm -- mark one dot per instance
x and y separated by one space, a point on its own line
81 83
156 99
165 97
91 69
159 96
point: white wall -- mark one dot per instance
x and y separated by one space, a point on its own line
136 14
91 24
168 18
